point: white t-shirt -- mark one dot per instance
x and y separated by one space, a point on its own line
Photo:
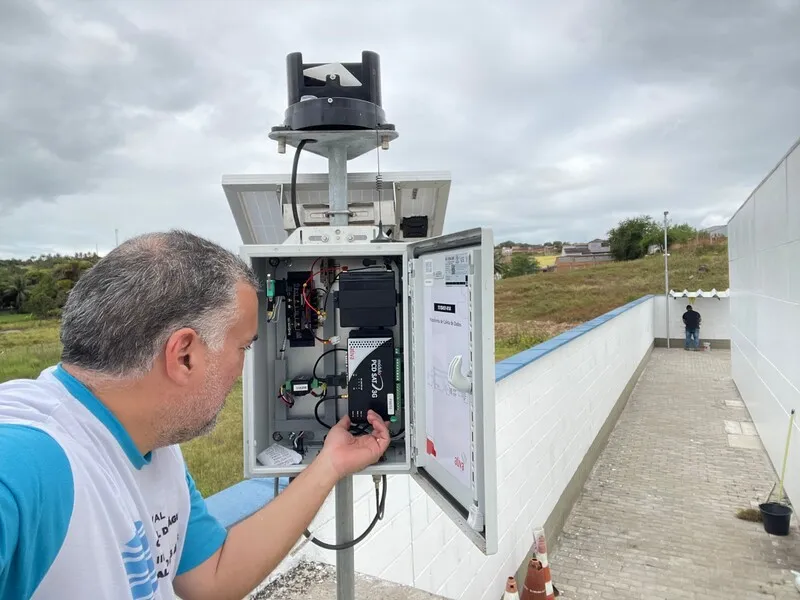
83 514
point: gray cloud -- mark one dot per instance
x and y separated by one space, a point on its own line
74 91
555 119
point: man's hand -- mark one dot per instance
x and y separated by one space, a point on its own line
255 546
348 454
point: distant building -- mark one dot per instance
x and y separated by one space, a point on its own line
581 256
599 246
538 249
575 249
717 231
594 248
535 249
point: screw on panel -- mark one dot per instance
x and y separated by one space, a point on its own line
277 436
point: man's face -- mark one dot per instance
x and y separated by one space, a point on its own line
202 405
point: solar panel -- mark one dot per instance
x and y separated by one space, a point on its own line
261 204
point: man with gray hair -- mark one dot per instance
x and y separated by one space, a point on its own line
95 497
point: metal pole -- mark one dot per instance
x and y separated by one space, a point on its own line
666 276
337 185
116 237
345 559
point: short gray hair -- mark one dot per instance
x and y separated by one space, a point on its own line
121 312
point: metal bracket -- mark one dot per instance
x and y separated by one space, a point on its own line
475 518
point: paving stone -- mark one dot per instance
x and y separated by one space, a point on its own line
748 428
744 441
656 518
733 427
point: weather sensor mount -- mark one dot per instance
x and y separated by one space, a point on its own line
334 96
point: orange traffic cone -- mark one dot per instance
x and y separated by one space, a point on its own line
534 588
540 546
511 592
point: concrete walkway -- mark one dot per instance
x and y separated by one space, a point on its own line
657 516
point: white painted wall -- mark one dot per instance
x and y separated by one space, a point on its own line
548 415
716 323
764 253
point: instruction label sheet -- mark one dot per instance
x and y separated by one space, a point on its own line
447 335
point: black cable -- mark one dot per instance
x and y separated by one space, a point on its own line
316 412
381 507
328 291
354 429
294 181
321 356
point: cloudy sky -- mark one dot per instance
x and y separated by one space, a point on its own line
555 119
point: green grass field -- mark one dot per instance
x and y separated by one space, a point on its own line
546 304
528 310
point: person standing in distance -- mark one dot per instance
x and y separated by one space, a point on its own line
95 497
691 320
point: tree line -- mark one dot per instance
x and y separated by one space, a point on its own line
40 285
632 238
520 264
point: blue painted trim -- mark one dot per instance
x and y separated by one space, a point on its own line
512 364
241 500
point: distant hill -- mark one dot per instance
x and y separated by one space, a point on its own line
528 309
534 308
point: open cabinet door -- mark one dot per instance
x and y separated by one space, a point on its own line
452 370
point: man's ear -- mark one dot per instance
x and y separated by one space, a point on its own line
181 354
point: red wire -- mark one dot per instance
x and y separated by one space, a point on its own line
285 400
308 304
311 278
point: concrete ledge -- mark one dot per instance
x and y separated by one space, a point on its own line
555 522
522 359
678 343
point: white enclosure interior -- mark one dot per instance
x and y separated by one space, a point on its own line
273 359
764 253
442 364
